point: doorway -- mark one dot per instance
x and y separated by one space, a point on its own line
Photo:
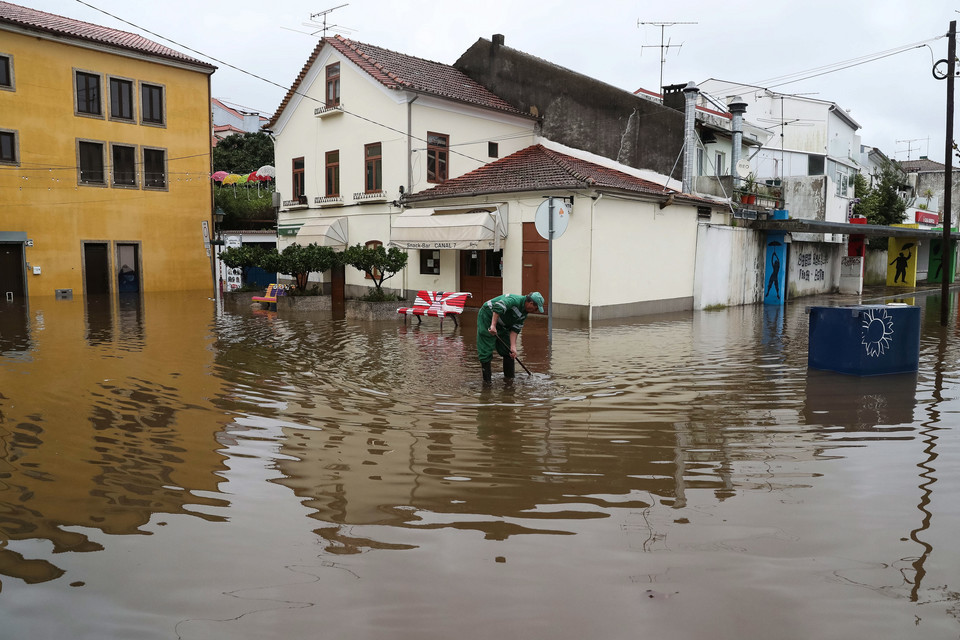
481 274
12 282
536 261
128 269
96 268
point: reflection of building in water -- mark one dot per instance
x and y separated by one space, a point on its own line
14 328
121 435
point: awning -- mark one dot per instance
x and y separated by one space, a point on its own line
463 228
326 232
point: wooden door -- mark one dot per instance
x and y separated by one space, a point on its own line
536 261
481 274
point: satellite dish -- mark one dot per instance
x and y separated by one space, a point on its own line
743 168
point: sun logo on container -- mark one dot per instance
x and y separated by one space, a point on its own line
877 328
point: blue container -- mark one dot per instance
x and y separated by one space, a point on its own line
865 340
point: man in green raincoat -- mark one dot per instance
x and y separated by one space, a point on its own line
499 322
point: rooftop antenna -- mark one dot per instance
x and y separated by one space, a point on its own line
323 26
910 146
663 46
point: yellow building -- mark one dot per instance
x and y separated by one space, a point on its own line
104 161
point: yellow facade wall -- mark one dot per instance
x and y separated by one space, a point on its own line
42 198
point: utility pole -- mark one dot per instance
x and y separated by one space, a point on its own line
662 46
946 254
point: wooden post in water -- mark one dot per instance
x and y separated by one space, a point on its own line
948 174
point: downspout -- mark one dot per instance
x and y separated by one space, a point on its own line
690 93
409 176
593 205
737 108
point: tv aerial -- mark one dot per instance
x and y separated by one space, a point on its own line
318 23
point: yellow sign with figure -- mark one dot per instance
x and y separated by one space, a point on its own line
902 262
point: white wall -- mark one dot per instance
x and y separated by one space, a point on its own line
814 268
729 266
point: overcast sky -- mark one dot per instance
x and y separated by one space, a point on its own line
898 103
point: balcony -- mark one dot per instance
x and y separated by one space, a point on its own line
300 202
327 111
328 201
372 196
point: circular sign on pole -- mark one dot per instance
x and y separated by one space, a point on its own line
561 217
743 168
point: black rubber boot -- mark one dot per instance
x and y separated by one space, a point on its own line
509 365
487 374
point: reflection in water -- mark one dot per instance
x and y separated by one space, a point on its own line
14 332
239 474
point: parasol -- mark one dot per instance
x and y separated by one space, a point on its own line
219 176
267 171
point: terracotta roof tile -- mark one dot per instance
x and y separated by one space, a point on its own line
537 168
400 71
34 20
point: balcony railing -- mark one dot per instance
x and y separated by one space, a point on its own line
326 111
328 201
372 196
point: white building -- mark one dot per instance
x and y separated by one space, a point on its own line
363 125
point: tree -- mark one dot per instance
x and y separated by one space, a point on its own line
377 262
243 153
881 204
296 260
300 261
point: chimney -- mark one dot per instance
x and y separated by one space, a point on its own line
690 93
737 108
497 40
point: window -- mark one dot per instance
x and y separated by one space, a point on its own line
121 99
154 169
151 104
6 72
90 162
493 149
333 173
373 165
372 244
437 144
299 188
429 262
123 163
700 161
333 84
841 181
9 151
718 168
815 165
88 93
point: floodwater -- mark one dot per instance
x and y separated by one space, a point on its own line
171 469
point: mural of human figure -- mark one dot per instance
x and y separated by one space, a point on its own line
901 266
774 281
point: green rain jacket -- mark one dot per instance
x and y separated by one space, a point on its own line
511 311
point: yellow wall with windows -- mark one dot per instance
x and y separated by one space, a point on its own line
42 198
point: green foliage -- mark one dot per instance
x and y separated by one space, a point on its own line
245 206
299 261
242 256
376 261
880 204
243 152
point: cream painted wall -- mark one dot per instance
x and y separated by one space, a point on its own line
384 119
729 269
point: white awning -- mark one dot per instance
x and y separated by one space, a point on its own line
326 232
464 228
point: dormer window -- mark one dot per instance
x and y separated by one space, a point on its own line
333 85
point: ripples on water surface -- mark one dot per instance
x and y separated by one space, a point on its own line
170 470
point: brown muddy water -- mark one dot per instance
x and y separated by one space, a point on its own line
170 469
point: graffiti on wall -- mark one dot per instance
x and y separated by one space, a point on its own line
811 266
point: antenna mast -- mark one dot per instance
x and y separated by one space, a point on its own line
323 14
910 146
662 46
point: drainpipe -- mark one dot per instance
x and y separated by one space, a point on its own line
737 108
690 93
593 207
410 144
